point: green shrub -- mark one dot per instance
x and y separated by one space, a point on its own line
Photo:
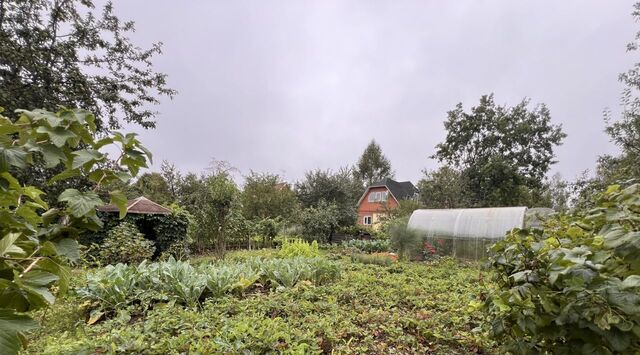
318 223
368 246
372 259
574 286
125 244
297 247
404 240
163 230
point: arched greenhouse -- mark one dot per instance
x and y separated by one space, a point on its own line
466 233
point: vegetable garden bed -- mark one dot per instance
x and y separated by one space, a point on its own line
401 308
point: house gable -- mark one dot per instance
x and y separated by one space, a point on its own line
370 210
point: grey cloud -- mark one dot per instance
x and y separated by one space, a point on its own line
289 86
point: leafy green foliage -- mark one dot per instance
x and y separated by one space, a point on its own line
404 240
503 153
341 189
372 259
373 165
266 196
154 187
37 241
66 53
404 308
297 247
213 202
625 131
125 244
574 286
446 187
368 246
169 233
117 286
319 223
267 229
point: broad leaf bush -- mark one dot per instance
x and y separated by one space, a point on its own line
125 244
574 286
36 240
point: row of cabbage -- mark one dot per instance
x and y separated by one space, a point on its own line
117 286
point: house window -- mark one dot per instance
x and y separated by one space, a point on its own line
378 196
367 220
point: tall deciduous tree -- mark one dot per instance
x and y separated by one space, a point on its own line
265 196
555 194
67 53
153 186
213 198
373 165
173 177
625 132
504 152
444 188
340 189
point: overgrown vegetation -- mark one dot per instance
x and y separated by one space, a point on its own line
574 286
404 240
124 244
169 233
402 308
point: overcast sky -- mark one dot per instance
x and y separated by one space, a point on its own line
289 86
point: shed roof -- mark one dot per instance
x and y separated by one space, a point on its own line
140 205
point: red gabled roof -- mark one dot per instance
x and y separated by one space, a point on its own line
140 205
398 190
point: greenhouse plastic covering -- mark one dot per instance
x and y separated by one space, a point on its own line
468 223
465 233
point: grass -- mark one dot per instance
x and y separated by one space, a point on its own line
401 308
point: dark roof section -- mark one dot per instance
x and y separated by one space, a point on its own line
140 205
402 190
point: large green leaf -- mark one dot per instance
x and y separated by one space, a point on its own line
39 278
58 135
11 324
52 155
119 199
12 156
68 248
86 157
80 203
6 243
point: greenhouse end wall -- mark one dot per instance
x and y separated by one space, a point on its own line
465 233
